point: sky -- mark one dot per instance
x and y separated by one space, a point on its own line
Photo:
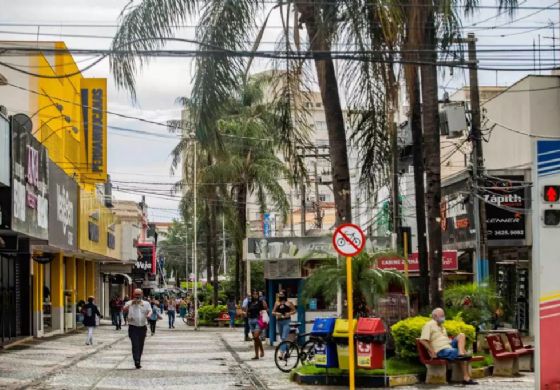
135 159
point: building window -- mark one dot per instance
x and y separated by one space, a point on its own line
318 105
323 198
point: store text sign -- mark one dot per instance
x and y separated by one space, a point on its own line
449 259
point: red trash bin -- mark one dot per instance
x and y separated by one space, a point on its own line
370 337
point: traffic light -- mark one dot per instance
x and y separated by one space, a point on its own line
551 193
552 217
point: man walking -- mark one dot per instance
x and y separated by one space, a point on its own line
116 311
138 312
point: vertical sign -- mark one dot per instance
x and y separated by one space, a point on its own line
266 225
63 211
30 184
94 123
546 263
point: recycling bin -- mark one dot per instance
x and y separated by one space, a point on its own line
370 337
340 336
325 349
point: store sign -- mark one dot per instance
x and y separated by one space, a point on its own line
456 213
449 262
277 248
146 259
30 184
94 122
63 217
505 202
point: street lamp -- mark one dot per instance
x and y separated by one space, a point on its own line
192 137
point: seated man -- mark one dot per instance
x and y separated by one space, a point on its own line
434 338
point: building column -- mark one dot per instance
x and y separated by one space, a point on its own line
37 299
71 287
57 293
81 280
90 279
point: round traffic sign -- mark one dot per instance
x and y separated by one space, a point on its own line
349 239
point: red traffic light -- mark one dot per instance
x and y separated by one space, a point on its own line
551 193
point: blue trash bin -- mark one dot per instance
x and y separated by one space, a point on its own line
325 352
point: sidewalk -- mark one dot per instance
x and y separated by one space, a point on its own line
30 362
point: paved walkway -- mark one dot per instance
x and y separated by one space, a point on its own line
173 359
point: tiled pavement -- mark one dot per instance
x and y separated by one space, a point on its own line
173 359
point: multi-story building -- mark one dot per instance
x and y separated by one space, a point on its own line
61 228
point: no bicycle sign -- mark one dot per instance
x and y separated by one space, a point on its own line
349 239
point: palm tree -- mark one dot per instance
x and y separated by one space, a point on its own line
224 28
368 282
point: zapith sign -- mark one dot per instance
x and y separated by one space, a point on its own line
94 118
63 218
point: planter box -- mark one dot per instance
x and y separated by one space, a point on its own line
368 381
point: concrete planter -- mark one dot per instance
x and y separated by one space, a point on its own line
368 381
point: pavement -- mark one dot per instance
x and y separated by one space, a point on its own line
180 358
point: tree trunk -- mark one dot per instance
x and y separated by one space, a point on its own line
208 243
418 163
240 282
430 115
319 43
214 253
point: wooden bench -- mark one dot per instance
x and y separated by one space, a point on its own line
436 368
526 352
222 320
506 363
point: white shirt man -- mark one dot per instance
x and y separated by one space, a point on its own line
138 312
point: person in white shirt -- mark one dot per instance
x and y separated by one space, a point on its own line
138 311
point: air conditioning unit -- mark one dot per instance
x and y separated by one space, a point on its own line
453 120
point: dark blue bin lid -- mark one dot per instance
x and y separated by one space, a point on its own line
323 326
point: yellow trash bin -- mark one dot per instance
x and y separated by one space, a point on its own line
340 336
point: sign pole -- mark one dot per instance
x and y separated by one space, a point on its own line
350 300
405 252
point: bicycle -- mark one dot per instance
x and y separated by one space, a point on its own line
189 318
290 352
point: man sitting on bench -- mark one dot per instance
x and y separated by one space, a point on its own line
434 338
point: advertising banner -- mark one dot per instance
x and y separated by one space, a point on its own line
30 184
457 216
449 260
63 213
94 118
145 262
503 196
277 248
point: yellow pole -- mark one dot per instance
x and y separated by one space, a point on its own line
350 300
405 250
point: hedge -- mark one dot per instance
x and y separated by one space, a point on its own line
406 332
210 313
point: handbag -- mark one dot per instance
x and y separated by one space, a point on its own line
263 320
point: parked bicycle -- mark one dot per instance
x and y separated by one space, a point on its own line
294 350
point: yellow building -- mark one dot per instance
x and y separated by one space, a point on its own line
68 115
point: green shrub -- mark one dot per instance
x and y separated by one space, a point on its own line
406 332
209 313
475 304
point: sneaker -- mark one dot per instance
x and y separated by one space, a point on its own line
470 382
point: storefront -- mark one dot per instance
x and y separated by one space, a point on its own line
507 199
24 225
58 281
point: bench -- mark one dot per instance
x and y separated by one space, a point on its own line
506 363
436 369
222 320
526 352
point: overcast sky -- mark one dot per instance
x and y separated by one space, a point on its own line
139 158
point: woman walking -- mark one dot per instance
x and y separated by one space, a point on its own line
155 316
254 309
283 311
183 308
90 311
232 311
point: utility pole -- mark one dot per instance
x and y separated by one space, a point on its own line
224 242
481 260
318 217
395 179
302 208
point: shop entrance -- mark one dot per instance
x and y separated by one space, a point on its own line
14 297
47 306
